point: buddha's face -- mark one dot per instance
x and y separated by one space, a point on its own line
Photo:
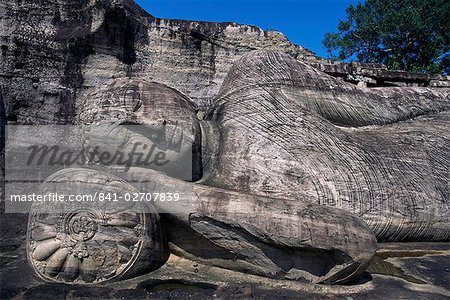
152 125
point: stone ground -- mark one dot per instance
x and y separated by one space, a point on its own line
398 271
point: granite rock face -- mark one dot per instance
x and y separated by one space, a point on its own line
64 48
229 228
286 163
68 242
56 54
399 271
60 51
44 45
2 146
289 131
283 135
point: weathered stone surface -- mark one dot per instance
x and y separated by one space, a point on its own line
440 83
60 51
377 75
283 135
288 131
162 115
181 279
293 240
54 54
2 149
92 242
280 142
44 45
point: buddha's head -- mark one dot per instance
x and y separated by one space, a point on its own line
138 117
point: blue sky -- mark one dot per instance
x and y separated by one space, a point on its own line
303 21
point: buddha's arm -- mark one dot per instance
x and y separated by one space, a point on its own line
257 229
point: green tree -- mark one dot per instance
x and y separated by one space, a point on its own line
410 35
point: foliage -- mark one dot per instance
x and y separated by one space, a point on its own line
411 35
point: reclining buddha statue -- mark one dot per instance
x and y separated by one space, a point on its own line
292 174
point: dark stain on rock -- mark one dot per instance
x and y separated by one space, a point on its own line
4 49
379 265
120 31
154 286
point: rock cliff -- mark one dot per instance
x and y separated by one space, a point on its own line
53 51
281 129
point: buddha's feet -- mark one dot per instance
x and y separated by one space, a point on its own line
96 240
